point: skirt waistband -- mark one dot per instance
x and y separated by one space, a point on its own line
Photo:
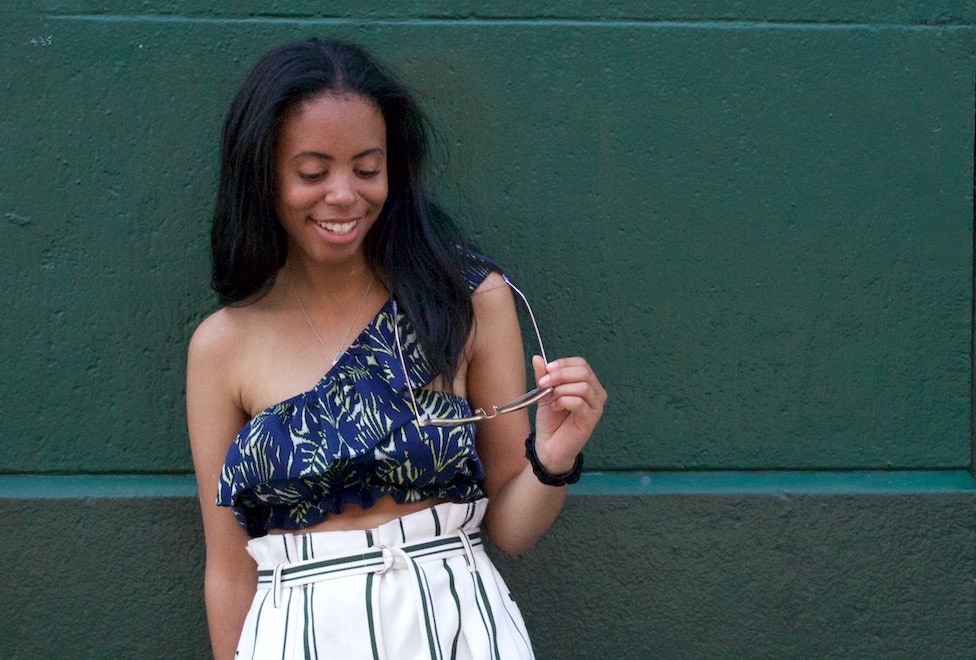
443 531
379 560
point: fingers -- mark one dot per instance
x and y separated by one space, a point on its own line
575 386
567 371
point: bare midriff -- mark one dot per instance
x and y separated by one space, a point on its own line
355 517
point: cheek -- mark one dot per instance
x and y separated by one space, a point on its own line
292 198
379 194
381 197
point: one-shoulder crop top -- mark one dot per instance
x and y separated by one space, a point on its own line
352 439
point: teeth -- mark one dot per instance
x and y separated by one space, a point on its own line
337 227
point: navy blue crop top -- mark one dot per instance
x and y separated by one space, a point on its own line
352 439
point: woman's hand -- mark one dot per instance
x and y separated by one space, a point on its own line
566 418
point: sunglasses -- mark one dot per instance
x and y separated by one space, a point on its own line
479 414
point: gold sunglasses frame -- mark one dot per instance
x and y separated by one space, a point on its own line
480 414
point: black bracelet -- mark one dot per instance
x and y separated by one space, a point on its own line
543 475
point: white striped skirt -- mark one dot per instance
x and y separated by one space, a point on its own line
419 587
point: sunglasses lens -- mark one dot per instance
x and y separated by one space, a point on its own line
525 400
448 422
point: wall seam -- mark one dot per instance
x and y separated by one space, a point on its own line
620 484
972 327
503 22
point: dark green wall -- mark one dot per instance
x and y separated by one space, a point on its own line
756 220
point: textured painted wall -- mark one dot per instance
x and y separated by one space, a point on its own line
760 232
755 218
777 570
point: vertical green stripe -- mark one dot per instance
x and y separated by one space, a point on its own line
437 520
490 614
306 595
308 619
515 624
257 623
434 649
369 614
433 611
373 642
311 599
457 603
284 633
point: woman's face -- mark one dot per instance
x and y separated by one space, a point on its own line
330 165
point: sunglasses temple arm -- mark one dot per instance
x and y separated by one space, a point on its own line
403 365
535 326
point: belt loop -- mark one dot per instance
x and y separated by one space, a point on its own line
468 551
276 586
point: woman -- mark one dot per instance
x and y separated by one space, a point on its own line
360 494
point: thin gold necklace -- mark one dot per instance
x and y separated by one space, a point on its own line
340 352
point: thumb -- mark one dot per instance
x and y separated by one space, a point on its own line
539 367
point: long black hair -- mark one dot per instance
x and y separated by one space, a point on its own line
413 246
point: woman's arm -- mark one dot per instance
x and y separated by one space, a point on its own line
521 508
214 416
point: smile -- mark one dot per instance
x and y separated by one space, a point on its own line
338 227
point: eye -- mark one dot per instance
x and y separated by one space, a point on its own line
311 176
367 174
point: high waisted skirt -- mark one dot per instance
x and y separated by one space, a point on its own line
419 587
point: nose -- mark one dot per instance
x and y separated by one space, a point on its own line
340 191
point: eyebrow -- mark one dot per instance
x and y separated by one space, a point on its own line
324 156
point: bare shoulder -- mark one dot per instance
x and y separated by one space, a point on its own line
492 296
493 281
495 317
218 349
217 335
230 333
213 386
